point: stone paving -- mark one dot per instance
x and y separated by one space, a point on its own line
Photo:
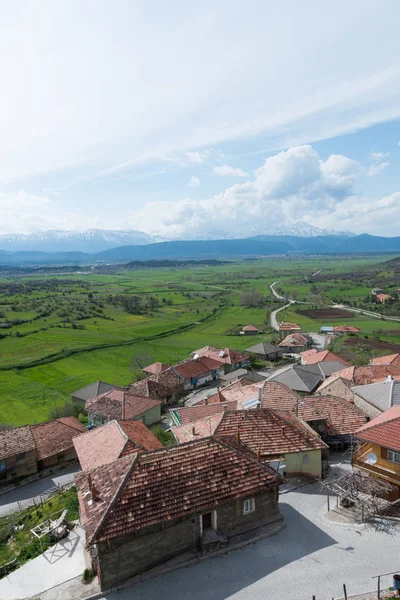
310 556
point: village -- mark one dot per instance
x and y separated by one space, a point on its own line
233 439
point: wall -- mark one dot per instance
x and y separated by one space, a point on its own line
129 555
366 407
151 416
295 463
61 458
337 388
19 468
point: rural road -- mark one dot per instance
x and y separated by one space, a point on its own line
274 321
23 496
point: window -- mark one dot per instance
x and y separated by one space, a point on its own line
20 456
2 466
394 456
248 506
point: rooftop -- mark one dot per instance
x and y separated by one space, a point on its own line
55 436
313 356
298 378
250 328
156 368
391 359
94 389
293 339
196 367
129 496
382 395
263 348
111 441
384 430
120 405
289 326
15 441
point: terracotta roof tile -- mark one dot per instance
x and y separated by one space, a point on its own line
346 329
311 357
55 436
111 441
15 441
250 328
170 483
293 339
384 430
342 417
156 368
188 414
197 367
120 405
391 359
289 326
197 429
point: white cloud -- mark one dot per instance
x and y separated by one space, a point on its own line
229 171
194 182
376 169
292 185
196 157
378 157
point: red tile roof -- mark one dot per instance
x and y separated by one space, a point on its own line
55 436
346 329
197 367
289 326
15 441
279 396
198 429
166 484
311 357
293 339
272 432
156 368
227 393
367 374
160 385
384 430
188 414
111 441
120 405
250 328
227 356
391 359
342 417
383 297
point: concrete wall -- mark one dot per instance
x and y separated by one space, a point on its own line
129 555
295 463
151 416
16 469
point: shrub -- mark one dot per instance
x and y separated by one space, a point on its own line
87 575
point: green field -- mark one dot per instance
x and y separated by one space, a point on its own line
58 334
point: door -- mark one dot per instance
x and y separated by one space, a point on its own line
206 520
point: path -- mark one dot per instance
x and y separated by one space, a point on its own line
273 319
310 556
59 563
24 495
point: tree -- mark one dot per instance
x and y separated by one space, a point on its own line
141 360
252 298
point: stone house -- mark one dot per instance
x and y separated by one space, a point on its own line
294 343
199 371
17 454
113 440
166 385
231 359
145 509
124 406
91 391
286 329
250 330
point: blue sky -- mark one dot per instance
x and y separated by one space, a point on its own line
219 118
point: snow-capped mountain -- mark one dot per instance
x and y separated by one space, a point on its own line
302 229
91 240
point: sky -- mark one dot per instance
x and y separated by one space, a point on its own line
192 120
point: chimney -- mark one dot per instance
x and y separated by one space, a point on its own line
238 436
283 430
205 401
94 494
259 454
225 407
193 430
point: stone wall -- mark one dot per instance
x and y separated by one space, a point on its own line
366 407
129 555
15 469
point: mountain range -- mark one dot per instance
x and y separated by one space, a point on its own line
257 246
97 240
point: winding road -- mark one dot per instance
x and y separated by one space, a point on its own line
274 321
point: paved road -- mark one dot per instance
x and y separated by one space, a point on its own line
310 556
274 320
23 496
319 340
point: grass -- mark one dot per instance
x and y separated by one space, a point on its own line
198 306
22 544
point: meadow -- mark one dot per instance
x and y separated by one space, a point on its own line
58 334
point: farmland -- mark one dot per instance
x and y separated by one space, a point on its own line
59 333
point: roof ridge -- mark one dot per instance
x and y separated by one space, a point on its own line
247 454
380 424
300 428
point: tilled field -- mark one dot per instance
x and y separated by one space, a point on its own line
326 313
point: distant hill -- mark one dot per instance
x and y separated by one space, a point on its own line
212 249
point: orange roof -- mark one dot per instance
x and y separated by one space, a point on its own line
189 414
119 404
278 396
155 368
15 441
198 429
342 417
113 440
289 326
197 367
391 359
384 430
225 356
250 328
346 329
55 436
383 297
293 339
171 483
311 357
367 374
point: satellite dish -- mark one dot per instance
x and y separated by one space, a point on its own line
372 458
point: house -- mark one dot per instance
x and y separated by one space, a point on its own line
155 368
342 329
250 330
391 359
273 435
111 441
375 398
383 298
306 378
326 329
248 376
336 386
54 441
144 509
17 454
166 386
294 343
334 419
312 356
124 406
367 374
91 391
231 359
286 329
199 371
265 351
379 453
